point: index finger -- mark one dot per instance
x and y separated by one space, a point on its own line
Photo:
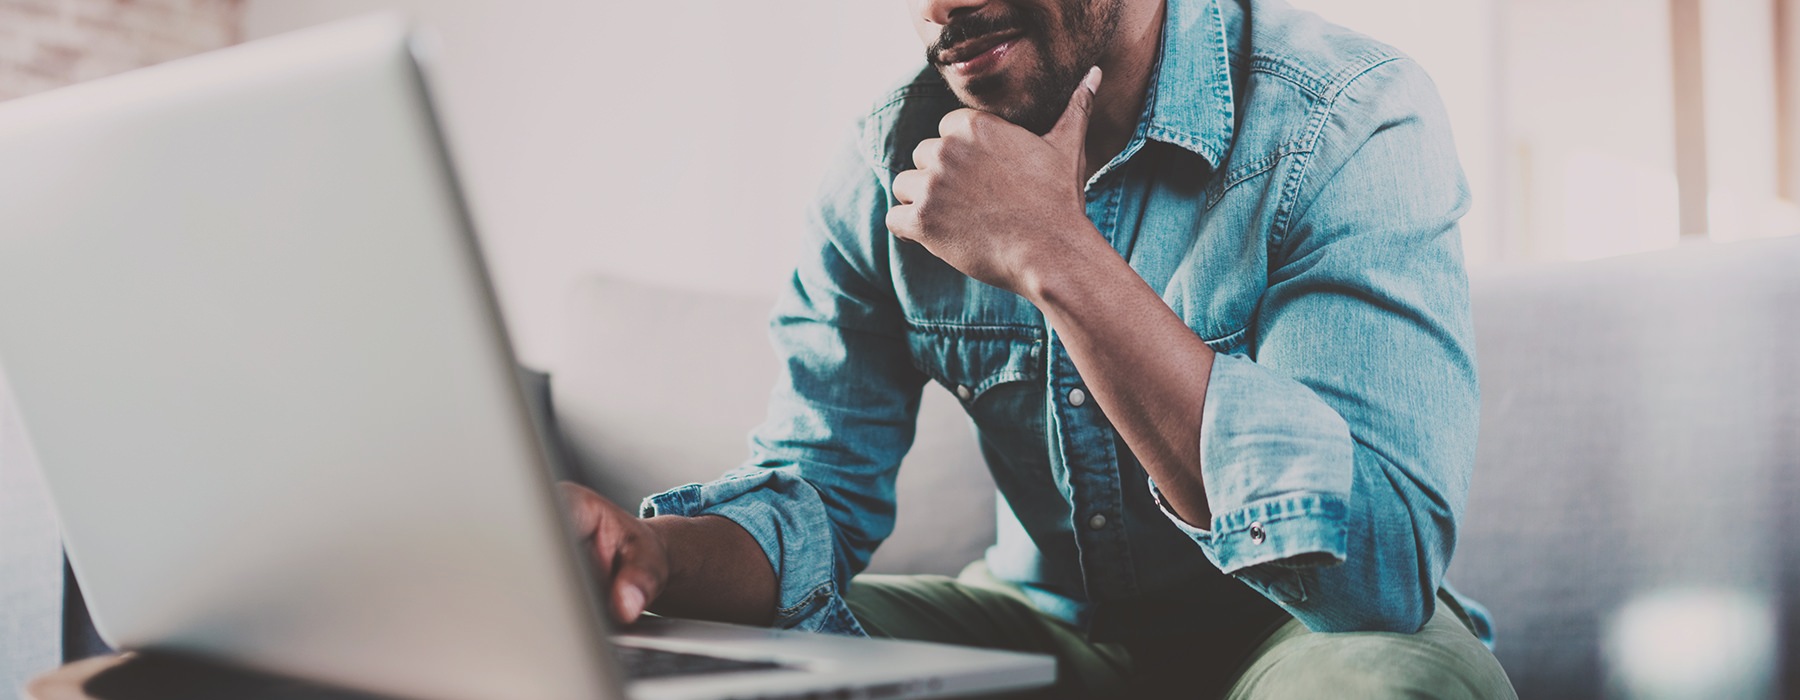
925 156
583 512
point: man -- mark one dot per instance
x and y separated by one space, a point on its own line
1193 269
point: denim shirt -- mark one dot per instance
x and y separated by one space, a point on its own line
1293 192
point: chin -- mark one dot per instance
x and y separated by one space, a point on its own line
996 94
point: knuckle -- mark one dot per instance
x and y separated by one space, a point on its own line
928 157
957 122
925 151
919 215
924 182
906 186
903 222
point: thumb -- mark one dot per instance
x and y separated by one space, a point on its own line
1070 132
629 601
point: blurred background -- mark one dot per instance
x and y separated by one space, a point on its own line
676 144
678 141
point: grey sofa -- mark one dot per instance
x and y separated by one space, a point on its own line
1641 429
31 564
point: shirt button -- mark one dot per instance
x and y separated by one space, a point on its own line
1077 397
1257 536
1097 522
962 392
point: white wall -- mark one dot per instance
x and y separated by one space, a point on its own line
679 141
1743 160
1589 126
1457 42
1590 122
1564 111
675 141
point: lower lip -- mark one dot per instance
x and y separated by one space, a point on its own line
986 61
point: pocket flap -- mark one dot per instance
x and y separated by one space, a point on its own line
969 360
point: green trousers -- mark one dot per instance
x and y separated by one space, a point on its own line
1443 660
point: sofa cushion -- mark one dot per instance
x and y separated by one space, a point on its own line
657 387
31 561
1638 431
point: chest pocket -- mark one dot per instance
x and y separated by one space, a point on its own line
975 362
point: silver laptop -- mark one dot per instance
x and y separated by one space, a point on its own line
257 354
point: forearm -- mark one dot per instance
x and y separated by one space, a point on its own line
1141 364
717 571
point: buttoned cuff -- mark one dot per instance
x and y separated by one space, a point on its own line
1277 463
1297 532
783 513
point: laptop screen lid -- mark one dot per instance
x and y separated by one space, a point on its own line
252 341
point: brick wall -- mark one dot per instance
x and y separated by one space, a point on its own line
50 43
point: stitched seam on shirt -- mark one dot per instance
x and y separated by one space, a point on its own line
1290 73
1175 137
985 331
1275 510
1278 508
980 332
1296 183
1238 175
1321 87
1265 517
1246 172
1351 70
1228 338
792 610
977 390
999 378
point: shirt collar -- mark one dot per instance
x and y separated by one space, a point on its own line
1191 101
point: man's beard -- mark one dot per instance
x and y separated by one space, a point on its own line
1043 90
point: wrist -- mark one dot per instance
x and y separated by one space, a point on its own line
715 570
665 531
1054 277
688 542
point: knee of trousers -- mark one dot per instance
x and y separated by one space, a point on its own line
1443 660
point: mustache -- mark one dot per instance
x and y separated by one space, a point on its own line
972 26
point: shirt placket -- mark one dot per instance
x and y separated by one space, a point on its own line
1087 446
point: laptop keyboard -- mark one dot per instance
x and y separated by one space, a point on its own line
642 663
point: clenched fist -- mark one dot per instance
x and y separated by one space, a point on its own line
995 200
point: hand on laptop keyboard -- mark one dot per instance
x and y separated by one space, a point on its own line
704 567
630 557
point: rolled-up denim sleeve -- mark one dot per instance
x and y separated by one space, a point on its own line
817 492
1337 450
